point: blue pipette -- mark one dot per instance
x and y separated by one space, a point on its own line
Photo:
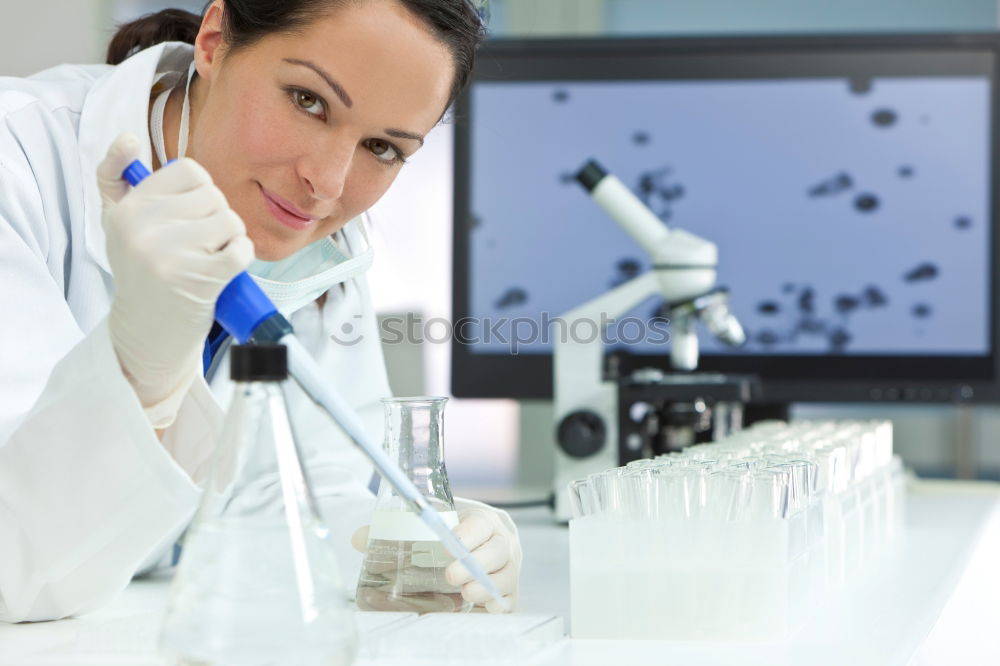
246 313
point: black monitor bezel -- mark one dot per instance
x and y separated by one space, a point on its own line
785 378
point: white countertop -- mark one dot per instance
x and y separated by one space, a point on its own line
934 600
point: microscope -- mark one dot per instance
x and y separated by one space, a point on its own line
608 413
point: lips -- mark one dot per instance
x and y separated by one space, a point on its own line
285 212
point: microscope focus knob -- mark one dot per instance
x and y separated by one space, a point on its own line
581 433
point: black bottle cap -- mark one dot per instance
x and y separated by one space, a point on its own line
591 174
258 363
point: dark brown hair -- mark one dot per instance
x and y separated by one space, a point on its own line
454 22
169 25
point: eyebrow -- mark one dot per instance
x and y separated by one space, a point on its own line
346 99
337 88
405 135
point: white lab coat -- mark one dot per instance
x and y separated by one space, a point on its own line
88 495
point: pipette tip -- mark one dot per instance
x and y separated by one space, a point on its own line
472 564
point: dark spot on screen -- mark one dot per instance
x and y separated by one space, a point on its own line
629 267
640 138
768 308
846 303
860 85
866 203
833 185
767 338
659 191
884 117
806 299
923 272
874 297
511 297
625 270
839 338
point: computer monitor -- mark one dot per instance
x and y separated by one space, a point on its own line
848 182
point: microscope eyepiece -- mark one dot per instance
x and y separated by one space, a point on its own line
590 175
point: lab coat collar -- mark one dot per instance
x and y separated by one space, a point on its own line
119 102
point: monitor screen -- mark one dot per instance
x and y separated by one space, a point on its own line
846 181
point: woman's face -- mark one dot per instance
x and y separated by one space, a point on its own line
303 132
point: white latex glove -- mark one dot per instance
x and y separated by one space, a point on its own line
173 244
492 538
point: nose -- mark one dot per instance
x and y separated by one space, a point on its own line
325 166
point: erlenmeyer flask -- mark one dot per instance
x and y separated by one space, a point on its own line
405 562
258 581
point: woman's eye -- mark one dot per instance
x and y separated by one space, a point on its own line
308 102
384 151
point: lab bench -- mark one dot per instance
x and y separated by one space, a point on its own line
933 599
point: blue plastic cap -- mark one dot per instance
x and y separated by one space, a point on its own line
242 307
135 173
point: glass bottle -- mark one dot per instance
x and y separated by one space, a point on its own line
404 565
258 581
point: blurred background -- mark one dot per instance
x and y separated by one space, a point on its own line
502 449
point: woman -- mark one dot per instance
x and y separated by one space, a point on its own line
295 117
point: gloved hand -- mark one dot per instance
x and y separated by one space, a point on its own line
492 538
173 244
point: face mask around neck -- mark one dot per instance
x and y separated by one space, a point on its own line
302 277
